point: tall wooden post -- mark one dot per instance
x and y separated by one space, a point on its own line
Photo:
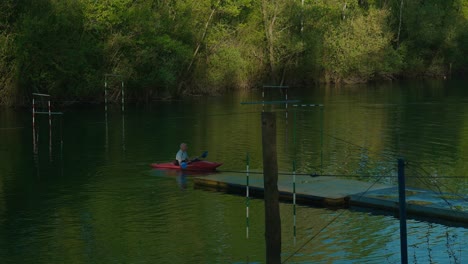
270 174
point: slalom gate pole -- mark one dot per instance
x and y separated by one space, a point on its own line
123 97
247 198
34 124
50 130
294 200
105 96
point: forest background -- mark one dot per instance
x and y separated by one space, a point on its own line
175 47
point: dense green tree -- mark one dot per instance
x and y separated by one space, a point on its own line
172 47
359 49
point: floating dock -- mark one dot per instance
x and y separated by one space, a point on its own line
334 192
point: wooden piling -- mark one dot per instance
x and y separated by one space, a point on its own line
270 172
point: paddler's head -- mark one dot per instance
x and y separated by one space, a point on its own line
183 147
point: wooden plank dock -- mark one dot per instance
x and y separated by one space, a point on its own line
337 192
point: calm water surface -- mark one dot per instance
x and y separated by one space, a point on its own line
95 199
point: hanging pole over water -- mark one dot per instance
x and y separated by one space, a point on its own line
270 174
105 96
123 117
50 130
48 112
321 140
281 87
123 97
402 202
247 199
61 145
321 127
34 125
263 99
286 99
107 134
122 87
123 133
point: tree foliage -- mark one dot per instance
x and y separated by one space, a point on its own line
359 49
171 47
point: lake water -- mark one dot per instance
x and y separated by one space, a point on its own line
94 199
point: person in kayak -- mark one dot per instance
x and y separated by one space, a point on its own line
182 155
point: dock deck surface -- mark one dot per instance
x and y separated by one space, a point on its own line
338 192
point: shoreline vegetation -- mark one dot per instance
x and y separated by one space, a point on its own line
172 48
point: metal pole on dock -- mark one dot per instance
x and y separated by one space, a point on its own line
270 174
402 202
247 198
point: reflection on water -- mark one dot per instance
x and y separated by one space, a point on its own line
180 176
99 202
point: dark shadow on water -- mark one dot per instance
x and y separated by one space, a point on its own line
394 214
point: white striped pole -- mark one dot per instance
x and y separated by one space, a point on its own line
123 117
50 113
287 121
286 98
61 137
247 201
33 113
34 124
263 99
123 97
107 135
294 200
61 145
123 133
50 130
321 140
105 95
105 106
294 175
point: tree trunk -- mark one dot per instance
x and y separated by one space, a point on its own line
197 49
269 25
399 24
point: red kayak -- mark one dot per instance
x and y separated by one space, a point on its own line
194 166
